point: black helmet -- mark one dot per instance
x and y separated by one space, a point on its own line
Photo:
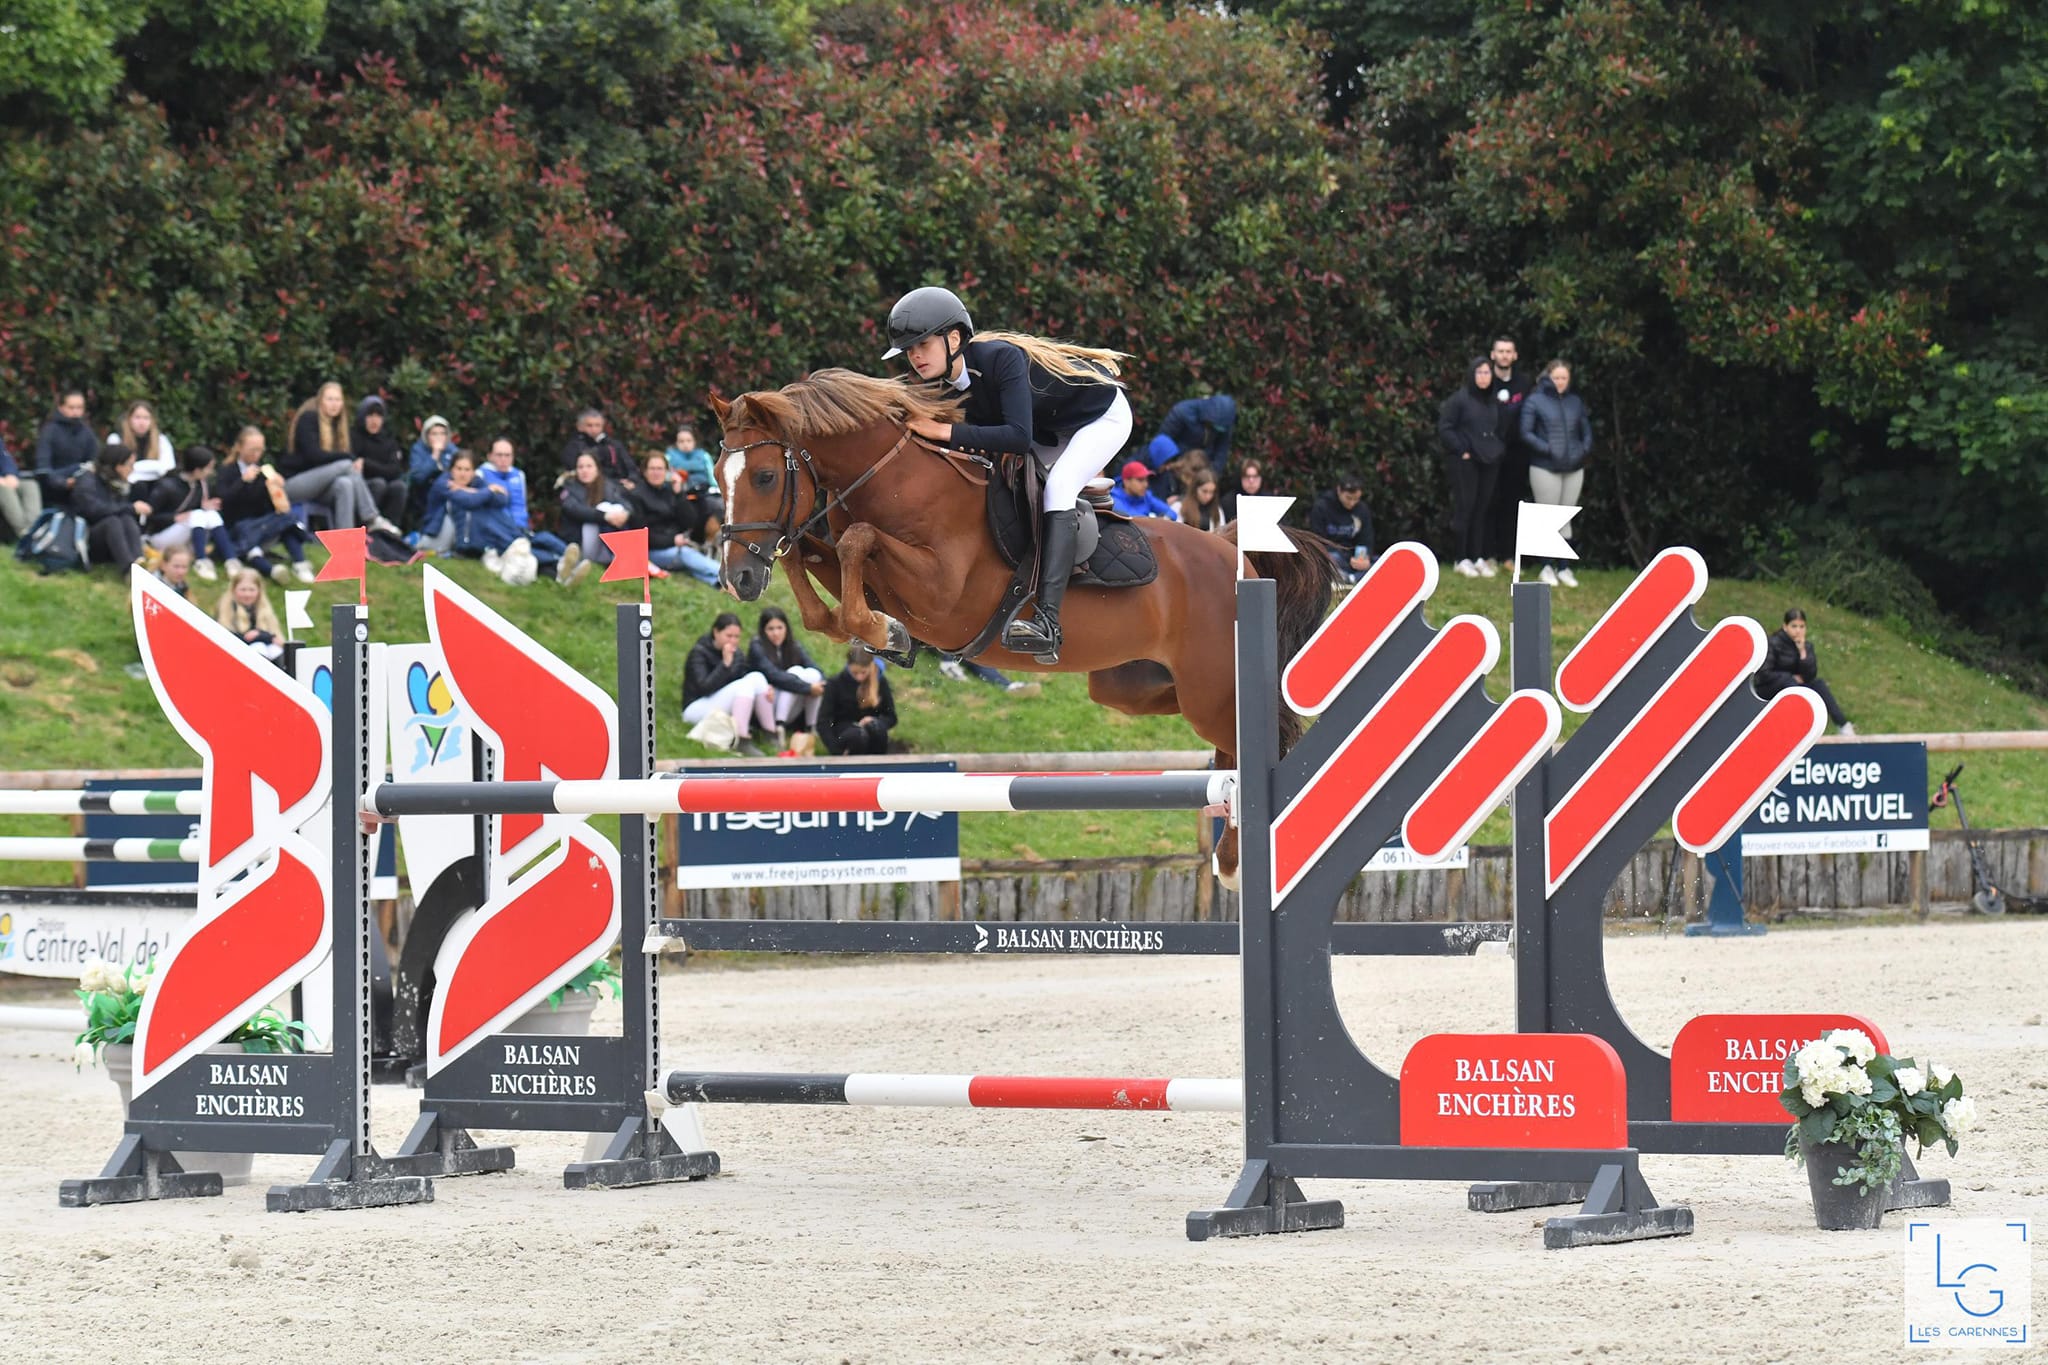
922 313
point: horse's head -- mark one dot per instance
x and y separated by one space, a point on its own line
768 497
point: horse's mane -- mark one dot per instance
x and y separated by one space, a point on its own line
836 403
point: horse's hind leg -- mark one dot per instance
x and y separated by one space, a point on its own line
1138 688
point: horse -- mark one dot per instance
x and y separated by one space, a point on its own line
825 477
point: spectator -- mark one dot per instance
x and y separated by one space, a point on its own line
102 499
185 509
1250 481
1196 424
1558 435
777 655
1340 516
138 431
1793 663
858 709
256 512
959 670
700 484
64 446
1134 496
245 610
385 469
717 678
1511 385
661 509
21 500
319 466
1467 427
593 504
454 498
504 527
176 571
433 454
1202 508
612 460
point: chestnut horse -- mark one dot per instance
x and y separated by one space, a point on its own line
824 476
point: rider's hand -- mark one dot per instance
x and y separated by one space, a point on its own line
941 432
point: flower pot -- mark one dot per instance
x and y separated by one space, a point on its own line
571 1019
234 1167
1840 1208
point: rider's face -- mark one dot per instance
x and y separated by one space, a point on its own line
928 357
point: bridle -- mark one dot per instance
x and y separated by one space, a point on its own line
789 532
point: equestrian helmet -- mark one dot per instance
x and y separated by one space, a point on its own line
922 313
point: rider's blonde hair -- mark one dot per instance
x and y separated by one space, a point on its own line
1062 358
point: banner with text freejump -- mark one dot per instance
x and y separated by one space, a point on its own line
817 848
1845 798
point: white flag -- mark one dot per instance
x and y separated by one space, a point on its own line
1259 530
295 615
1539 530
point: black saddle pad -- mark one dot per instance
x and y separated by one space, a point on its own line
1123 554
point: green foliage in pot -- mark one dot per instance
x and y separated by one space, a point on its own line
1841 1089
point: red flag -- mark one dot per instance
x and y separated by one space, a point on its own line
346 551
629 555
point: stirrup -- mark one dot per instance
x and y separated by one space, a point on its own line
1031 637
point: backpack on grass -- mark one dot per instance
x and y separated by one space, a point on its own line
55 543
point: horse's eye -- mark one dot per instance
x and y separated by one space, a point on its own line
764 478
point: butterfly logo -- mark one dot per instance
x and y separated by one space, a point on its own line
436 722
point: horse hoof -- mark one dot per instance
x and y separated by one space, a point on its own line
899 637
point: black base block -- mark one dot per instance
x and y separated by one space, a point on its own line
640 1153
1599 1229
1262 1203
344 1180
1505 1196
134 1174
433 1149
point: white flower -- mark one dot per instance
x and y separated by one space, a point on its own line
1909 1080
1816 1059
1942 1075
1855 1081
139 983
1959 1116
94 977
1855 1042
82 1056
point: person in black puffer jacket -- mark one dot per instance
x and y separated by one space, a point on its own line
719 677
1467 426
1793 663
384 464
112 514
1558 435
859 710
777 655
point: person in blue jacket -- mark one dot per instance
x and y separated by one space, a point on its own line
1021 395
1134 496
431 457
508 518
1558 434
1203 424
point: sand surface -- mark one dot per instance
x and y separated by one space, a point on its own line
927 1235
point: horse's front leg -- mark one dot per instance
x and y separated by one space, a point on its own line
858 545
817 616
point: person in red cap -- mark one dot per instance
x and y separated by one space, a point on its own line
1134 496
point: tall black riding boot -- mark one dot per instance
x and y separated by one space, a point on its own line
1040 636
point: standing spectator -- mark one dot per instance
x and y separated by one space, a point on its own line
506 526
612 460
718 677
1791 663
185 509
1196 424
256 511
1340 516
1512 383
21 500
385 468
102 499
245 610
137 430
1202 508
64 446
432 455
661 509
176 570
319 466
1134 496
699 483
1468 429
1250 482
1559 436
777 655
858 710
593 504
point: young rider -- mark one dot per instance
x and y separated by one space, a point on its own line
1019 391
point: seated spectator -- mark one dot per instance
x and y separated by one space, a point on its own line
137 430
255 512
432 455
64 445
699 483
453 498
719 677
21 500
612 460
1251 482
503 527
385 469
1134 496
1792 662
1202 508
777 655
1196 424
245 610
661 509
320 467
1340 516
185 509
176 570
102 499
858 710
593 504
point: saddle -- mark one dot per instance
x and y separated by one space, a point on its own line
1112 552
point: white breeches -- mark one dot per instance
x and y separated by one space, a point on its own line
1085 454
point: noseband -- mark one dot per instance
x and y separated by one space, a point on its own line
789 531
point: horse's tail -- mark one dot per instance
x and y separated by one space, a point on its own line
1303 584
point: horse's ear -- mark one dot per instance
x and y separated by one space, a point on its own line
719 407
